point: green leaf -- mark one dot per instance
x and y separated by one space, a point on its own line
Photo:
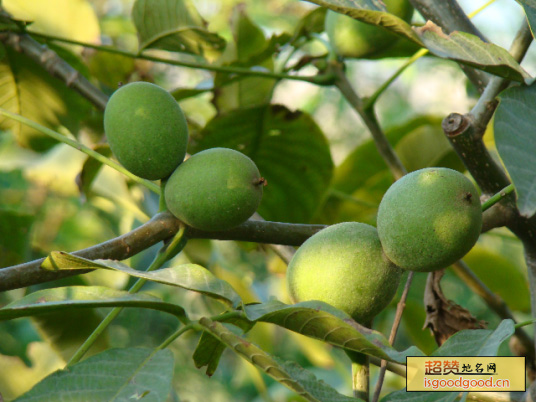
404 396
289 149
371 12
90 169
471 50
110 68
187 276
312 22
70 297
114 375
468 342
289 374
321 321
514 127
208 353
173 25
29 90
530 11
423 147
501 275
185 93
477 342
364 176
250 48
15 231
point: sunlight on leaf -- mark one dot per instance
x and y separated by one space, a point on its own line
187 276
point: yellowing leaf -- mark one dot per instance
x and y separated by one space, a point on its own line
71 19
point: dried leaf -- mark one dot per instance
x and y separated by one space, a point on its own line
443 316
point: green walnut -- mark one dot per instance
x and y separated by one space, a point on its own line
215 189
429 219
146 130
344 266
355 39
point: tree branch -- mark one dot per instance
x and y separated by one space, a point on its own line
465 131
160 227
494 302
56 66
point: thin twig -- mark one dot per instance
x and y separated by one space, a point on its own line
175 245
494 302
368 117
392 336
326 79
160 227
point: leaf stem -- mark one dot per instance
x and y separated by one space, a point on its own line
163 255
82 148
178 333
317 79
497 197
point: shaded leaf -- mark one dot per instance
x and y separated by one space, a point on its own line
91 169
289 149
208 353
362 179
187 276
371 12
404 396
184 93
321 321
423 147
289 374
70 297
501 275
29 90
173 25
113 375
514 123
530 11
17 336
472 51
111 69
15 230
250 48
477 342
312 22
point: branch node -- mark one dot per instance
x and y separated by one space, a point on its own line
455 124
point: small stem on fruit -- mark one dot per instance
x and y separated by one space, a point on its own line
392 336
360 374
168 251
82 148
326 79
497 197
